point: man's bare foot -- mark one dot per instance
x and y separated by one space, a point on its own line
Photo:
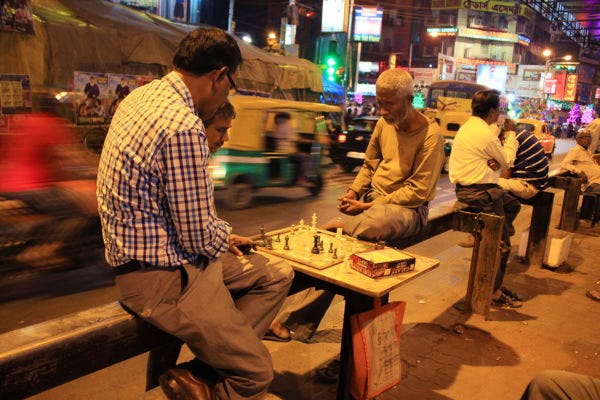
278 332
333 224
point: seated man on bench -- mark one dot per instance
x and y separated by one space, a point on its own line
579 161
389 197
529 172
164 239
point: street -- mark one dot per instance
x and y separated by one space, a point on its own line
30 298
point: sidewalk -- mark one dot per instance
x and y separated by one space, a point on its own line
445 354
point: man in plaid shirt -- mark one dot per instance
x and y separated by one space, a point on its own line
163 236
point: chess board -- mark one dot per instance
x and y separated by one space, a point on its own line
301 242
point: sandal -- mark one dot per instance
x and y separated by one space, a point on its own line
505 301
511 294
593 294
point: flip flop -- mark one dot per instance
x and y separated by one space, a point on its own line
269 335
593 294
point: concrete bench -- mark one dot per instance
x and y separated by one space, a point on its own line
39 357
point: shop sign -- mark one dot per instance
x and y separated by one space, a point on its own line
570 87
488 35
450 31
367 24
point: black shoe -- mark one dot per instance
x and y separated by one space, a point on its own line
506 302
181 384
511 294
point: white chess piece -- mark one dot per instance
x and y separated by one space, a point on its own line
314 221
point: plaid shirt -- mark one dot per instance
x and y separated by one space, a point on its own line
155 195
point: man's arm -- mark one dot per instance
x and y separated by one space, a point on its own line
183 160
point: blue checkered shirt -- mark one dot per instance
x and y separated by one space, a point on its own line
155 195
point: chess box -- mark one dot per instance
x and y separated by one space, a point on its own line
382 262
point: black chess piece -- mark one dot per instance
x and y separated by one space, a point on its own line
331 247
278 239
269 243
334 256
287 240
320 244
315 249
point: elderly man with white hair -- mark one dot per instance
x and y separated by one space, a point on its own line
389 197
579 161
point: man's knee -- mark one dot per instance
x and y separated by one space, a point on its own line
281 273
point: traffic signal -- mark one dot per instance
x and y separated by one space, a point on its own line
331 67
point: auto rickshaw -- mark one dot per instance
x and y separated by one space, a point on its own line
248 160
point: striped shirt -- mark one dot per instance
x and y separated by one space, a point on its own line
155 195
531 164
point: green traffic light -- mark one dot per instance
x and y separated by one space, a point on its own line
331 62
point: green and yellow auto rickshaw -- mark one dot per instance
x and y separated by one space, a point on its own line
248 160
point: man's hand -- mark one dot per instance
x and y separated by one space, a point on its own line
493 164
235 241
583 176
353 207
509 125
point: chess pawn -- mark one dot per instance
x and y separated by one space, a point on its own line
269 243
334 256
287 245
293 230
331 247
278 239
301 223
320 245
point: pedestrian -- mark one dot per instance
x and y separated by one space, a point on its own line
164 239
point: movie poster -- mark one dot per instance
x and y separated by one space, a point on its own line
92 109
16 15
119 86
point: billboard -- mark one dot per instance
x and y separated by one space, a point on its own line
337 16
493 76
367 24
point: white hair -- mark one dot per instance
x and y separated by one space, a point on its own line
396 79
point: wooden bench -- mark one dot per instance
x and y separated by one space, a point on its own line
572 187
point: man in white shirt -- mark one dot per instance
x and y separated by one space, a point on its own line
579 161
475 164
287 142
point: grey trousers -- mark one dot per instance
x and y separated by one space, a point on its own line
562 385
221 314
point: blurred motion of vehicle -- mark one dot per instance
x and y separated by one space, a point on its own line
541 131
47 193
248 160
348 148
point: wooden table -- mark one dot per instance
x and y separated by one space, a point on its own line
360 292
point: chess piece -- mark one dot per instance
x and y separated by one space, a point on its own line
320 244
380 245
331 247
293 230
301 223
287 245
278 239
334 256
314 221
315 249
263 236
269 243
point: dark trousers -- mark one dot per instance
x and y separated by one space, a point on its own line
490 198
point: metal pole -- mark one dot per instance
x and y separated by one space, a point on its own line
230 26
410 49
358 53
349 82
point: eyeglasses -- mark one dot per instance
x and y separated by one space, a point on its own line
231 82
